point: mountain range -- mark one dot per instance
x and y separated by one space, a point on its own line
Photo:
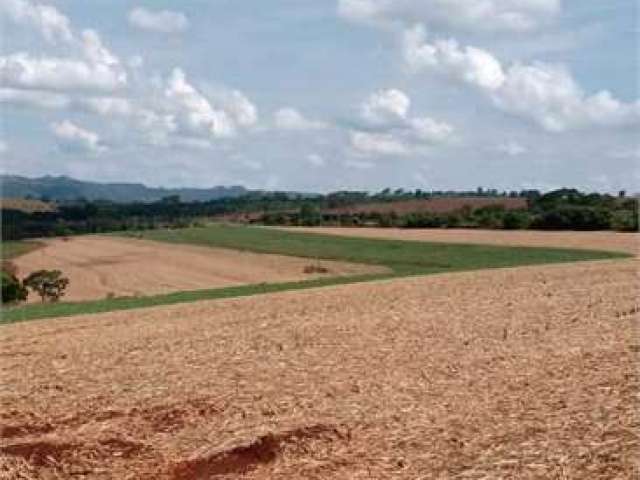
64 189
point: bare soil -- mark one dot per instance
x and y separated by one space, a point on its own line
100 266
607 241
527 373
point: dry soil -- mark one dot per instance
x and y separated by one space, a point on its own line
523 373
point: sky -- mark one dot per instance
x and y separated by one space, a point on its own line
323 95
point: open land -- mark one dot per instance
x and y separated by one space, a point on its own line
526 372
101 266
386 258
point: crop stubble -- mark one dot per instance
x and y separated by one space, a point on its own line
512 373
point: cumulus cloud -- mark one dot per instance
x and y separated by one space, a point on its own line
469 15
544 93
52 25
99 70
388 129
291 119
73 138
386 106
163 21
196 114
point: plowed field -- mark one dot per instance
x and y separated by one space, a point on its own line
511 373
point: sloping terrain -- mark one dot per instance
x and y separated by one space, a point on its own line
100 266
607 241
511 373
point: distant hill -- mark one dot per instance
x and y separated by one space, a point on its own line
63 189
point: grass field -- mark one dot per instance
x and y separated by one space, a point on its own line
403 258
11 250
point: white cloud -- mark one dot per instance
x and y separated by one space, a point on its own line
511 148
34 99
163 21
390 130
74 138
99 70
4 148
544 93
21 70
291 119
316 160
367 143
431 131
470 15
241 109
52 24
107 106
386 105
196 114
472 65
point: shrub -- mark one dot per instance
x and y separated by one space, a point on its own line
13 290
625 221
516 220
49 284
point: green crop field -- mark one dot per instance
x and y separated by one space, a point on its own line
402 258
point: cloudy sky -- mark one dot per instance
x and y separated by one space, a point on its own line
323 94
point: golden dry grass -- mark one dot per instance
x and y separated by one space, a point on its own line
514 373
98 266
607 241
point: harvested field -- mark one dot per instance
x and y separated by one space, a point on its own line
513 373
607 241
99 266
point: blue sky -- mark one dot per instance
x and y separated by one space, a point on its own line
323 94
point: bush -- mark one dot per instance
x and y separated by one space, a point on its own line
13 291
625 221
516 220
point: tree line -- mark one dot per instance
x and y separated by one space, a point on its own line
564 209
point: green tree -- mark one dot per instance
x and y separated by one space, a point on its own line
49 284
13 290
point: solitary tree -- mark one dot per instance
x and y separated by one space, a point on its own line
49 284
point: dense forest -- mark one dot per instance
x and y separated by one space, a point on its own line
565 209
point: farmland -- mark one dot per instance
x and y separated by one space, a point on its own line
101 266
505 373
397 258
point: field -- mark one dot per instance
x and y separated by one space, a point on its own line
526 372
11 250
389 258
102 266
607 241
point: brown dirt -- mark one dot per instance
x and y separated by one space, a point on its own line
99 266
527 373
608 241
25 205
432 205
